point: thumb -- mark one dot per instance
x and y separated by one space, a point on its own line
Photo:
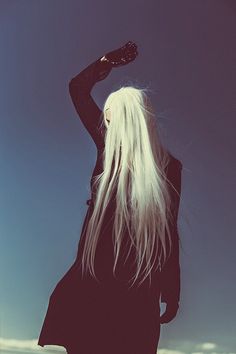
165 318
169 314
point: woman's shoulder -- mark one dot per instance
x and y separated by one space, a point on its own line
174 172
174 162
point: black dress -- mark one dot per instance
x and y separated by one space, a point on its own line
107 316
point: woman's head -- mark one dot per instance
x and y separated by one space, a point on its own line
125 101
129 118
133 170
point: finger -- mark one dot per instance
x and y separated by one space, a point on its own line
131 47
172 309
165 319
131 44
131 52
130 55
130 58
167 316
128 43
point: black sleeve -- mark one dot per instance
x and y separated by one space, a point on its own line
170 274
80 92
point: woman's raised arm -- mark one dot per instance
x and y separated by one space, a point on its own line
81 85
80 88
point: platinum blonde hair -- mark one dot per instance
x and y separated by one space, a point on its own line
134 161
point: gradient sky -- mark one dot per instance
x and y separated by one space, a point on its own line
187 53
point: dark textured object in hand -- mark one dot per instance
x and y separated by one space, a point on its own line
122 55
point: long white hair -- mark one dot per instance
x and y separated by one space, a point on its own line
134 163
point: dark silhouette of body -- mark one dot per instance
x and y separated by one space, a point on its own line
88 316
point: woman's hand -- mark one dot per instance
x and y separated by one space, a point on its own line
170 313
122 55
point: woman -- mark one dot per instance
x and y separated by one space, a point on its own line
128 253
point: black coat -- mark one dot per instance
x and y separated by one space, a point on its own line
106 317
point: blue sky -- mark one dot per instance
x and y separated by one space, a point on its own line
187 56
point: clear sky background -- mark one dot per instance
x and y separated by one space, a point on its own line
187 53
